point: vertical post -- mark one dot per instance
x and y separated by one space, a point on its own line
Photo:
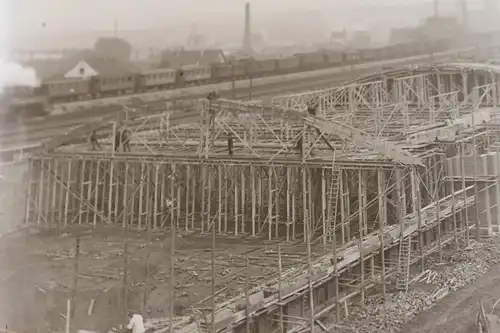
172 274
247 301
465 213
75 277
280 294
146 282
68 315
113 141
474 166
361 226
309 270
250 88
125 271
233 81
334 247
438 209
213 282
453 211
382 222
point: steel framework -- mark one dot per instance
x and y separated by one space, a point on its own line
387 172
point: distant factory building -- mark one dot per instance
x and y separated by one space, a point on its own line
435 27
360 39
404 35
441 27
86 64
179 58
338 39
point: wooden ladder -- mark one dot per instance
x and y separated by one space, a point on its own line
333 195
404 264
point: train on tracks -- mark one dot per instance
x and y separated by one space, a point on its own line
95 87
70 90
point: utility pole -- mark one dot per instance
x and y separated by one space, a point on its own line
233 81
75 277
465 15
250 87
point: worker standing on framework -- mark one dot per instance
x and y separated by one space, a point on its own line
122 139
211 113
125 137
230 144
312 109
94 144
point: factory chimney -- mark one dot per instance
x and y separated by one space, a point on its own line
465 18
436 8
247 37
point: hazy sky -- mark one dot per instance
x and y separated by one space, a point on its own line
27 16
42 19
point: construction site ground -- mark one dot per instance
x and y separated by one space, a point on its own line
41 266
456 313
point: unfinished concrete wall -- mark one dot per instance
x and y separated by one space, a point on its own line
12 195
483 172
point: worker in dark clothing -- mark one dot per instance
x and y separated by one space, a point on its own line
312 108
212 95
300 145
94 144
118 140
230 144
125 138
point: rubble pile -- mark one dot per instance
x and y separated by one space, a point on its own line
399 309
466 266
463 267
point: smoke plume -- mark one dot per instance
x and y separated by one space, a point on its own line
15 74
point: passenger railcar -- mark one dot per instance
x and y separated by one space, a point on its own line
195 74
334 58
120 84
287 64
311 60
256 68
228 72
16 108
368 55
67 90
352 57
157 79
383 53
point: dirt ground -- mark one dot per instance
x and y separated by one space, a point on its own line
456 313
37 275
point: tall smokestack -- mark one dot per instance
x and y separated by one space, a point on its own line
465 15
247 37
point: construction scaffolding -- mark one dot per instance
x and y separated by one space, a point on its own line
377 175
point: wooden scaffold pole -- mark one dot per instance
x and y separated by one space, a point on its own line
280 292
382 186
474 166
75 276
213 281
247 300
125 270
465 214
172 275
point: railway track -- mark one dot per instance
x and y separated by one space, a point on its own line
34 132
